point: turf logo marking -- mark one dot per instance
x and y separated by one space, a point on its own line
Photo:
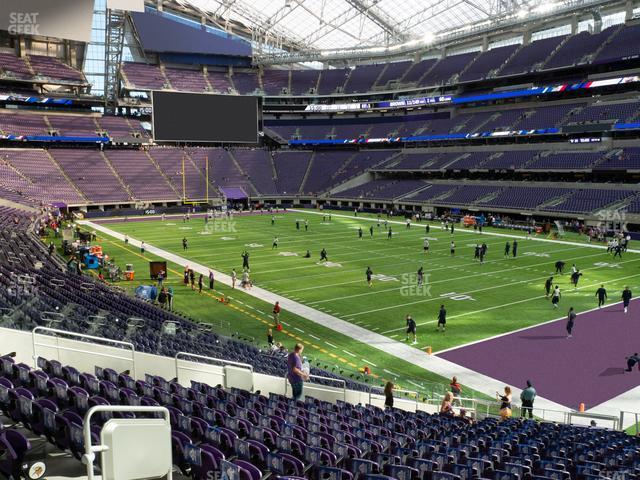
288 254
329 264
253 245
535 254
185 228
607 265
431 239
226 239
384 278
170 224
458 296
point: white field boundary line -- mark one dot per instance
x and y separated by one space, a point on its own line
502 305
452 279
437 268
424 261
518 330
436 252
435 364
626 401
463 230
431 299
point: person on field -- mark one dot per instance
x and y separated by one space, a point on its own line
547 286
626 299
442 319
571 319
276 313
411 329
555 297
631 361
601 293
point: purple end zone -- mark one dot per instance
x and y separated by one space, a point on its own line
587 368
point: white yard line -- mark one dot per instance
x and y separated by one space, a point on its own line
440 352
432 363
432 299
463 230
450 279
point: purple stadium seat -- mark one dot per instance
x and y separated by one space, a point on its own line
13 448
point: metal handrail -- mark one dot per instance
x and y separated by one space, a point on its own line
88 337
53 317
397 390
636 422
213 359
595 416
316 387
90 450
204 357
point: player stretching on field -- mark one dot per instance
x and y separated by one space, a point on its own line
369 273
547 287
275 243
323 255
425 246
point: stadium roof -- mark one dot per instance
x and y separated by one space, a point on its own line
313 25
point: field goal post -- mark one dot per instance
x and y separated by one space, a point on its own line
185 199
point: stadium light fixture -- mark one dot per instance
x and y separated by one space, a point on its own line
428 37
546 7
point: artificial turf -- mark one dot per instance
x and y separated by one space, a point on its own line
501 295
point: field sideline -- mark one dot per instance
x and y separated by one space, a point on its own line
502 295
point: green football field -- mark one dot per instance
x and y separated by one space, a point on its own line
482 300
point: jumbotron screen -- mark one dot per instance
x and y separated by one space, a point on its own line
197 117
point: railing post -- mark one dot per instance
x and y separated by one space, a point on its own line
90 450
220 360
96 340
